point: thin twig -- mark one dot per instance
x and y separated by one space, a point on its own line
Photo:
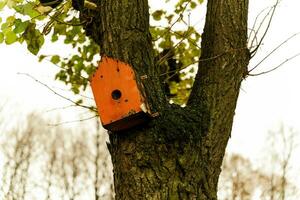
192 42
256 19
60 108
74 121
268 71
75 103
262 22
67 23
58 12
254 37
81 95
177 20
201 60
176 33
62 67
161 60
252 53
275 49
176 70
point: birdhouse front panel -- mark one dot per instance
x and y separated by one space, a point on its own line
117 95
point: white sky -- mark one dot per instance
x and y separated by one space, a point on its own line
264 101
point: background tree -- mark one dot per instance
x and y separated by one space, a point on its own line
282 144
74 166
43 163
241 180
178 154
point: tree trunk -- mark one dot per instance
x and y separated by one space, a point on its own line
177 155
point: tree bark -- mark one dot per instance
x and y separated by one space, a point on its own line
177 155
223 65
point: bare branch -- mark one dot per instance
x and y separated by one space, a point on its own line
61 67
268 71
203 60
185 36
66 90
75 103
254 37
74 121
60 108
275 49
254 24
267 28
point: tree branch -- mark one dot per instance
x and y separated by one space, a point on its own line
75 103
275 49
254 24
73 121
273 8
273 69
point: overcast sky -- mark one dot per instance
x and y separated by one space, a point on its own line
265 101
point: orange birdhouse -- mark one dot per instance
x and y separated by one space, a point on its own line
118 98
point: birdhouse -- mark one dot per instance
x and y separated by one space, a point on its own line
118 97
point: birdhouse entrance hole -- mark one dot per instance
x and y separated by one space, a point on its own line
116 94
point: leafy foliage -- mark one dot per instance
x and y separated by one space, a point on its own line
34 25
180 36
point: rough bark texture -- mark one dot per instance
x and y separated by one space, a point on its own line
177 155
224 63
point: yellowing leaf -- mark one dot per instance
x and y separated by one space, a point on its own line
10 37
43 9
2 4
1 37
4 26
10 20
28 9
11 3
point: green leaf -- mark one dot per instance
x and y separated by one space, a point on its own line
61 75
28 9
60 29
10 37
21 40
75 89
20 26
10 20
4 26
2 4
1 37
54 38
41 58
157 15
80 101
7 26
55 59
33 38
193 5
169 18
